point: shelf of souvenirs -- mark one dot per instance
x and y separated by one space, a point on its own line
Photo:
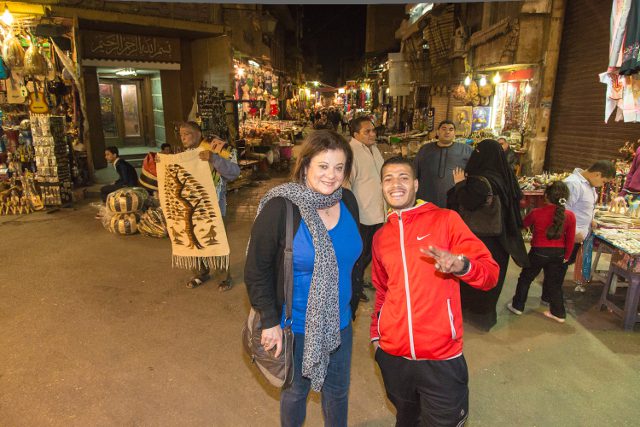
262 132
627 239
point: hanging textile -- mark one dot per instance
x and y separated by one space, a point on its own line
631 48
619 16
189 202
614 96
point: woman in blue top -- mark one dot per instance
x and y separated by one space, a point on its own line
326 245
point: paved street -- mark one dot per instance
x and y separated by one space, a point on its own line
98 330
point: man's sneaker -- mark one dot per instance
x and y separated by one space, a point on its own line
513 309
551 316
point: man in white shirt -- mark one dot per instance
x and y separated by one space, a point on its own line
366 185
583 198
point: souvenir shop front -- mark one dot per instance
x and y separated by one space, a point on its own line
42 149
494 103
256 89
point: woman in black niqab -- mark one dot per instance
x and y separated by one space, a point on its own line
489 160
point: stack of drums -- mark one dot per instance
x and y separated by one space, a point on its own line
125 205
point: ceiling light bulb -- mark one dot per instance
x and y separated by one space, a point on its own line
496 78
240 72
7 17
527 89
483 81
467 80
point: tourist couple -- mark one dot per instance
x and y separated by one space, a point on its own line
419 256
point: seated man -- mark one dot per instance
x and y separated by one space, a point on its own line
127 175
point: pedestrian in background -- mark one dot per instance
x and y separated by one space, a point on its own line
554 230
436 161
582 202
223 161
127 175
326 245
365 183
488 162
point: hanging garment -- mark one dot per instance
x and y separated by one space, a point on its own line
631 48
619 15
631 100
613 98
189 202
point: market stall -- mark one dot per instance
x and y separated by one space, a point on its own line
624 247
41 151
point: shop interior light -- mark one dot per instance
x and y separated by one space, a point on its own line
307 92
341 90
253 63
387 91
240 72
527 89
467 80
496 78
316 83
7 17
126 72
483 81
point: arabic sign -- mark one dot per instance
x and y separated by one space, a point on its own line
102 45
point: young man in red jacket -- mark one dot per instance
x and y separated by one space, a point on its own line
419 256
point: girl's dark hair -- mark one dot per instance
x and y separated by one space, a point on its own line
317 142
557 193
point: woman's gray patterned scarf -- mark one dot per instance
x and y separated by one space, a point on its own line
322 327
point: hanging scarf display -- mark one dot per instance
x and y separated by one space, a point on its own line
322 325
189 202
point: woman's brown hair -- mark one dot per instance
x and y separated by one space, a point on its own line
317 142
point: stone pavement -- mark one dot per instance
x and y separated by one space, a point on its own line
98 330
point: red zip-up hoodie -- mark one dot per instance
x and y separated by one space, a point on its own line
417 311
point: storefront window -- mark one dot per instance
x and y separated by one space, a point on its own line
510 107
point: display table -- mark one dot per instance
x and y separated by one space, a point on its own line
625 262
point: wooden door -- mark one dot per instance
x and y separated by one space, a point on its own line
121 108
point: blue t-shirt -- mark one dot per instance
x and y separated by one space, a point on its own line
347 244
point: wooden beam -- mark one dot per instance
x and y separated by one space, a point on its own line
133 19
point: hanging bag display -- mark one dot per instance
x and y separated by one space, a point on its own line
12 52
486 221
278 371
35 63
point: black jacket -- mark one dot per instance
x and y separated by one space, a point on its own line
266 249
127 175
472 193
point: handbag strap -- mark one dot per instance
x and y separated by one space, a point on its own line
288 262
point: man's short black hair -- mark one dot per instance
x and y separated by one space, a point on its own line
113 150
165 145
356 124
399 160
446 122
606 168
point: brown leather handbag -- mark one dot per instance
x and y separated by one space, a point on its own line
277 370
485 221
